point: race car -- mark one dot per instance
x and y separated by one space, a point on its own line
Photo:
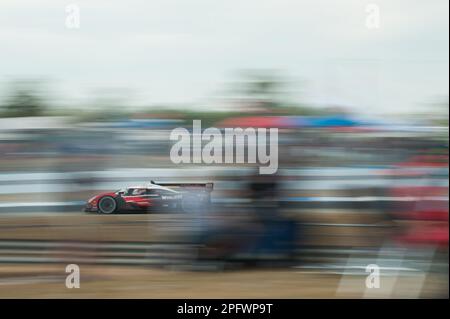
154 197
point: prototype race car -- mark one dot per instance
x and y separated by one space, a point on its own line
154 197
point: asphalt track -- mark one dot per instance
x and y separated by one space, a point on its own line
48 281
149 231
143 256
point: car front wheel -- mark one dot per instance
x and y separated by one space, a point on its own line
107 205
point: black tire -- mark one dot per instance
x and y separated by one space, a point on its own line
107 205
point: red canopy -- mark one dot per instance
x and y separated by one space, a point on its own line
256 121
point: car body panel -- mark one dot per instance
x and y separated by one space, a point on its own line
152 197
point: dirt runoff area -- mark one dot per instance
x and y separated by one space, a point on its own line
49 281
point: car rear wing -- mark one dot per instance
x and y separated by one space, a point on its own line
204 186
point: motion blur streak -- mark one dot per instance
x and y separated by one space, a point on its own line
348 194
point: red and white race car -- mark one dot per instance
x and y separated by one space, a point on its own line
175 197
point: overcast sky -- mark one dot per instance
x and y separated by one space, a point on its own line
188 51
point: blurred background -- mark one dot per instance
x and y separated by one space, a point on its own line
359 95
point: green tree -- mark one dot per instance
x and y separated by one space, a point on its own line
263 88
24 99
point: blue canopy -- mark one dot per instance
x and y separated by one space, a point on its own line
327 121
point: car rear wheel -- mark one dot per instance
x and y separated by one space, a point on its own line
107 205
191 203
